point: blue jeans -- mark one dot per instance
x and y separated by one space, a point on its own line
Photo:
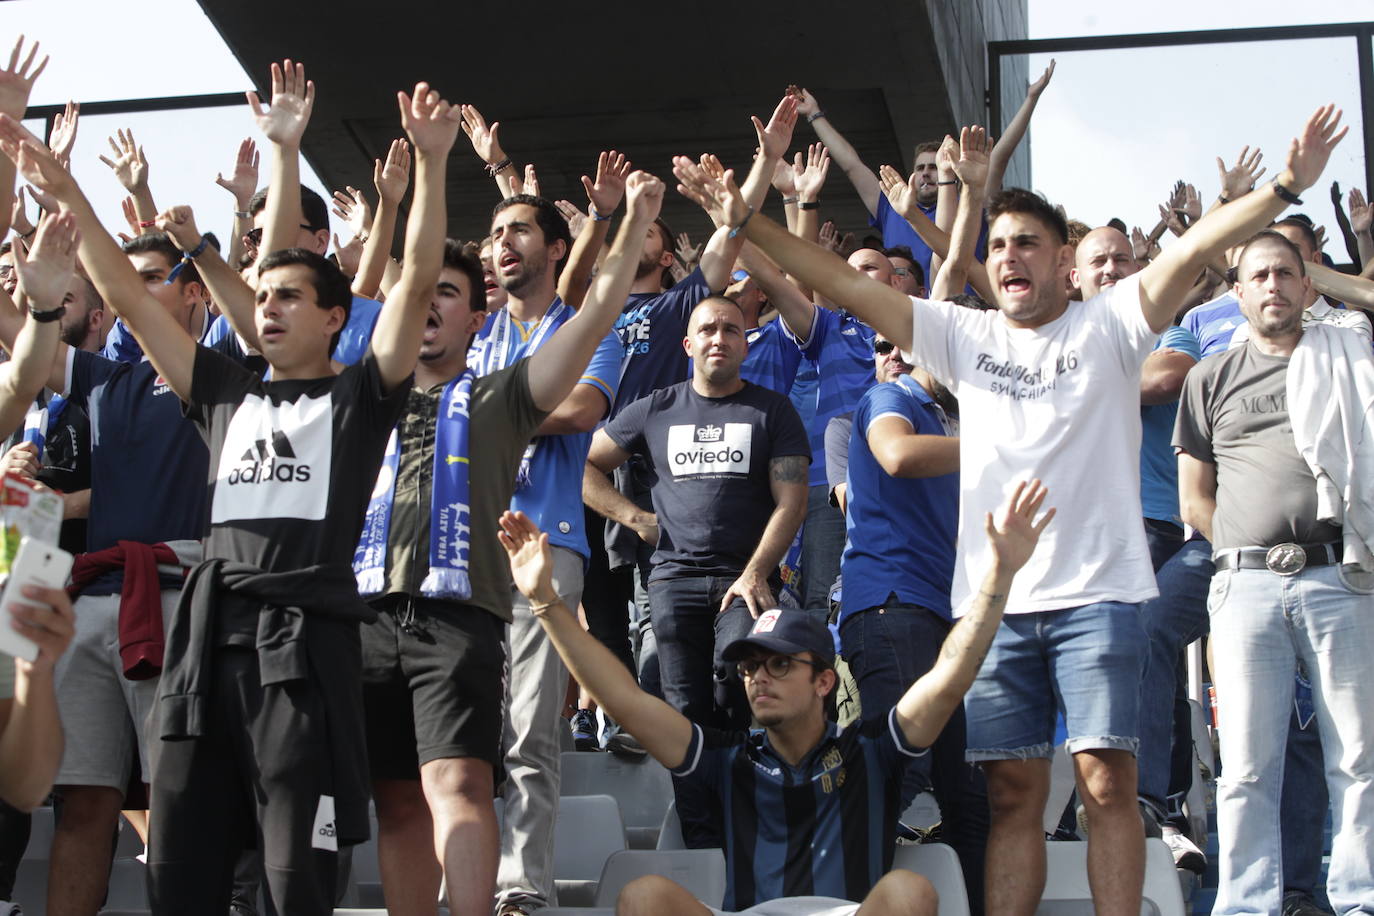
887 649
1264 626
1171 621
696 681
822 545
1302 810
1085 661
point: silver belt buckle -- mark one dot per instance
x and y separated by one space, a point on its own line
1285 559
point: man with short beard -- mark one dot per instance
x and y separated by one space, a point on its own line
1294 570
530 244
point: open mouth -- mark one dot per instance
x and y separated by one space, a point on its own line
508 260
1015 284
432 326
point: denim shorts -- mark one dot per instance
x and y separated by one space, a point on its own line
1085 662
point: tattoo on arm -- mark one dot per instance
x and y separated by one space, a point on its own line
789 469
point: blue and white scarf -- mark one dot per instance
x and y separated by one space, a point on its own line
450 515
493 353
39 423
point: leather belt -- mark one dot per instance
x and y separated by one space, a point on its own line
1283 559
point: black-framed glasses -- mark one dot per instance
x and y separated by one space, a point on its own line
777 666
883 347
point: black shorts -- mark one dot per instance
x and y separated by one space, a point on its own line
433 685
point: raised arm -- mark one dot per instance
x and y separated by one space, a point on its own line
902 452
432 125
972 167
1164 283
809 178
1362 225
243 184
1240 178
391 178
488 148
556 366
927 705
45 275
166 342
230 291
1015 131
283 122
130 167
603 197
859 175
664 732
16 82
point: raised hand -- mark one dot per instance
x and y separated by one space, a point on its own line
612 171
776 136
34 160
16 80
1037 87
900 193
1310 150
710 164
180 225
64 133
529 185
293 97
784 178
531 559
129 209
46 271
810 176
974 148
1170 217
719 198
243 180
429 121
484 141
19 216
350 255
1320 233
129 164
1013 532
944 158
829 237
806 102
687 253
577 220
1240 178
391 178
1142 246
1361 214
351 206
644 195
46 201
1192 204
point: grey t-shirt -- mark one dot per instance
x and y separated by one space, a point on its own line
1234 414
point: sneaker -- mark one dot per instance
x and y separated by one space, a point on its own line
584 730
1186 854
623 744
514 909
1296 903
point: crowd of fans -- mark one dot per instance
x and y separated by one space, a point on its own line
346 523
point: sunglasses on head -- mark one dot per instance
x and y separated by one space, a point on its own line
777 666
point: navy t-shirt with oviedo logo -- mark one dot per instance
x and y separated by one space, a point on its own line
709 460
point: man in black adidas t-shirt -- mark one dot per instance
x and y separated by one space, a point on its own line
259 714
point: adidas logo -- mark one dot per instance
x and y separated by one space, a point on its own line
709 433
281 448
269 460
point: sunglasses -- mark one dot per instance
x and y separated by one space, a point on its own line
254 236
777 666
883 347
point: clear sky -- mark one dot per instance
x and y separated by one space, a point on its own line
1112 133
1117 128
